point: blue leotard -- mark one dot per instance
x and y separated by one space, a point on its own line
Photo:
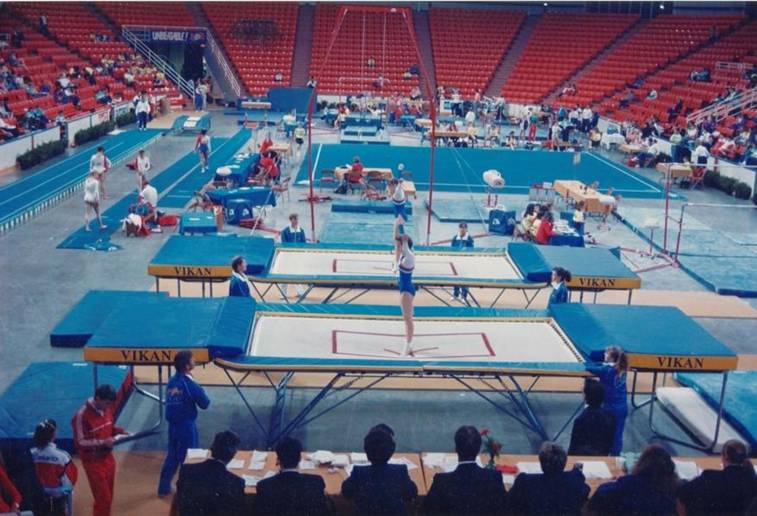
406 267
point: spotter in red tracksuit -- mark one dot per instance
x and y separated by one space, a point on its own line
94 436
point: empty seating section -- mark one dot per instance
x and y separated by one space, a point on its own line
673 82
170 14
468 44
654 45
559 46
258 39
383 37
78 27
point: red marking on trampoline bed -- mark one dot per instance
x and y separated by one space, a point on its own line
489 351
388 269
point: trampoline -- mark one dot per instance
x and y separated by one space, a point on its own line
351 271
507 351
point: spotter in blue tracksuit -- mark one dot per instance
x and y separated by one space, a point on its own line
183 396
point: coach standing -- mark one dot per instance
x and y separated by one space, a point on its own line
183 396
94 436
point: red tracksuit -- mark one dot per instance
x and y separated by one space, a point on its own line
91 428
14 496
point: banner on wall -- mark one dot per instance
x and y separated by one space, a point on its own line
178 36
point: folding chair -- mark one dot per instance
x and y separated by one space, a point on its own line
281 188
327 177
697 177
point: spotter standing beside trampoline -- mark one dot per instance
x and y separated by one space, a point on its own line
560 293
612 376
462 239
202 147
239 284
183 396
406 266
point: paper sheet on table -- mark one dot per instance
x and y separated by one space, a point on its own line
322 456
252 481
403 460
358 458
508 479
306 465
197 453
348 469
529 467
686 469
434 460
257 466
235 464
595 470
340 461
259 456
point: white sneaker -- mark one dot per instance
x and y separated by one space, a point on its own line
453 299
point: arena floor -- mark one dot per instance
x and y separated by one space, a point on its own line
41 283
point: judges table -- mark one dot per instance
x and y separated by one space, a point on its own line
386 173
675 170
630 148
424 466
577 191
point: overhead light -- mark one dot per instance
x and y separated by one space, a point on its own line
545 4
662 7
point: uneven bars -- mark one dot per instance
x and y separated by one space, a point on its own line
704 205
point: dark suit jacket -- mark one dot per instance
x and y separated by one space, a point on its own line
561 494
238 287
381 489
719 492
291 493
631 495
469 490
593 432
208 489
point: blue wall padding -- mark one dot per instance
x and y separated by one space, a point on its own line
350 206
54 390
212 250
78 325
740 404
287 99
653 330
179 323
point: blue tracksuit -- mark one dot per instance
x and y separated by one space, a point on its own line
289 236
238 287
183 396
558 295
616 400
462 242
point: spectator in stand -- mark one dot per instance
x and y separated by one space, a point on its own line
208 488
56 472
593 429
17 38
183 396
554 491
469 489
63 81
10 501
612 375
726 491
700 155
102 96
8 130
649 489
291 492
380 488
94 436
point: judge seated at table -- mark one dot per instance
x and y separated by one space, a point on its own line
594 428
290 492
554 491
470 489
208 488
353 179
545 230
380 488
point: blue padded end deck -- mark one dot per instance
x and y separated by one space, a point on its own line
66 386
180 250
531 262
740 404
635 329
81 322
222 325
